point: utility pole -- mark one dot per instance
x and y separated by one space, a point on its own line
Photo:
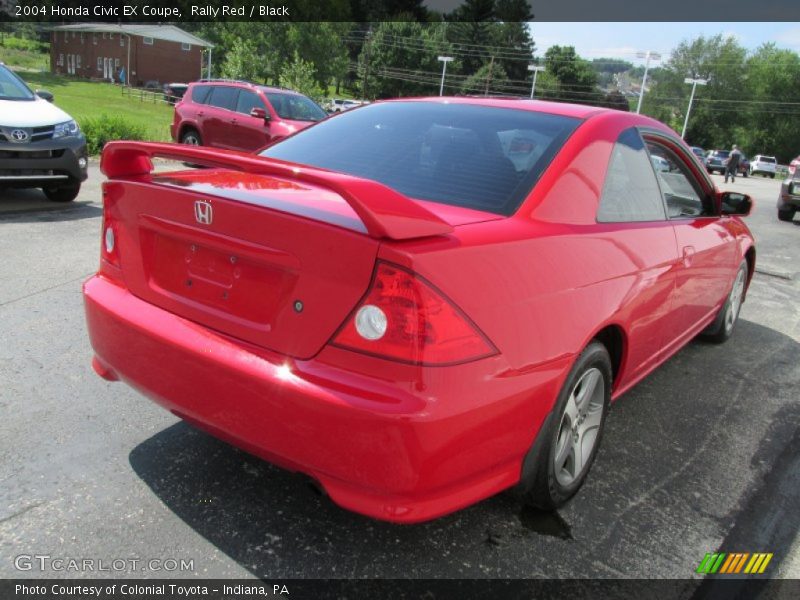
366 66
647 56
694 83
444 60
536 69
489 77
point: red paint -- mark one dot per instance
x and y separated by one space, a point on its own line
400 440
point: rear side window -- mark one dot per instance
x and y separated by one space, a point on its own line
295 107
630 191
200 94
247 102
478 157
223 96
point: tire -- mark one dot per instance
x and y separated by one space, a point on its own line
191 137
745 174
786 215
772 175
66 193
553 472
723 325
710 171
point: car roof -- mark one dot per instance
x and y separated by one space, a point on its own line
579 111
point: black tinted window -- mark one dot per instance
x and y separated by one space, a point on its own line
247 102
472 156
630 191
223 96
200 94
681 192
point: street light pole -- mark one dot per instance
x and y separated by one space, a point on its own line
535 69
647 56
695 83
444 60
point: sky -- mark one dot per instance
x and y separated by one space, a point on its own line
623 40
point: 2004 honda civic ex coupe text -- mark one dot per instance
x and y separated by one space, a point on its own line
418 303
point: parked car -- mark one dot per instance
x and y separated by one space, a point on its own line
41 146
717 160
699 153
174 92
660 164
390 304
789 197
793 165
237 115
765 165
339 105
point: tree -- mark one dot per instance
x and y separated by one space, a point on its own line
490 77
299 75
577 80
719 60
242 62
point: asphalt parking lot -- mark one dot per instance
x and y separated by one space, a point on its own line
703 455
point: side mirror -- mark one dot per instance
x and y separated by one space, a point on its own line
45 95
259 113
734 203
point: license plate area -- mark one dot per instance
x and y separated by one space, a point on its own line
241 287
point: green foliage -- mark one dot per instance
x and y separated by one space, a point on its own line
299 76
242 61
488 77
24 44
106 128
575 76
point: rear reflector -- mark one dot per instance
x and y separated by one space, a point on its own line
404 318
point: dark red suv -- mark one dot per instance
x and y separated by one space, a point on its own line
237 115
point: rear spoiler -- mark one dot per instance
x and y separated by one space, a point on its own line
384 212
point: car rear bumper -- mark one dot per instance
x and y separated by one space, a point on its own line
49 162
403 450
786 201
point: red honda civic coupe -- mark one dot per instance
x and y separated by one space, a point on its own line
419 303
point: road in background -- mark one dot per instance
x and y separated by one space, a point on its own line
701 456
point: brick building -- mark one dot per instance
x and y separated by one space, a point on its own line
150 54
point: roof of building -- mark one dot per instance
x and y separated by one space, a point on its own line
168 33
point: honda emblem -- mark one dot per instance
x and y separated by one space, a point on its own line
203 212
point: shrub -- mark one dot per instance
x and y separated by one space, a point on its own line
15 43
105 128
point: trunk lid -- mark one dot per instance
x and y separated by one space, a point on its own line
255 272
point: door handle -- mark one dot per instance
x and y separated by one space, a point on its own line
688 253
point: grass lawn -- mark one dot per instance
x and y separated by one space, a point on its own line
24 59
87 99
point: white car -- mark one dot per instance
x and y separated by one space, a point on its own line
40 145
340 105
764 165
660 164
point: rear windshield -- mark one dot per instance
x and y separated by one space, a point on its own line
295 107
767 159
12 87
471 156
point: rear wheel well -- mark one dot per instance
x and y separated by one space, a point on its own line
613 339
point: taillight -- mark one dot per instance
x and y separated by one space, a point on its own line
404 318
109 242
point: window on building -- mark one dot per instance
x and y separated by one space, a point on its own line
60 60
186 47
121 40
105 35
94 39
99 63
66 37
148 41
116 63
81 37
78 61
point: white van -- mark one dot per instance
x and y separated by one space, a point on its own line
40 145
